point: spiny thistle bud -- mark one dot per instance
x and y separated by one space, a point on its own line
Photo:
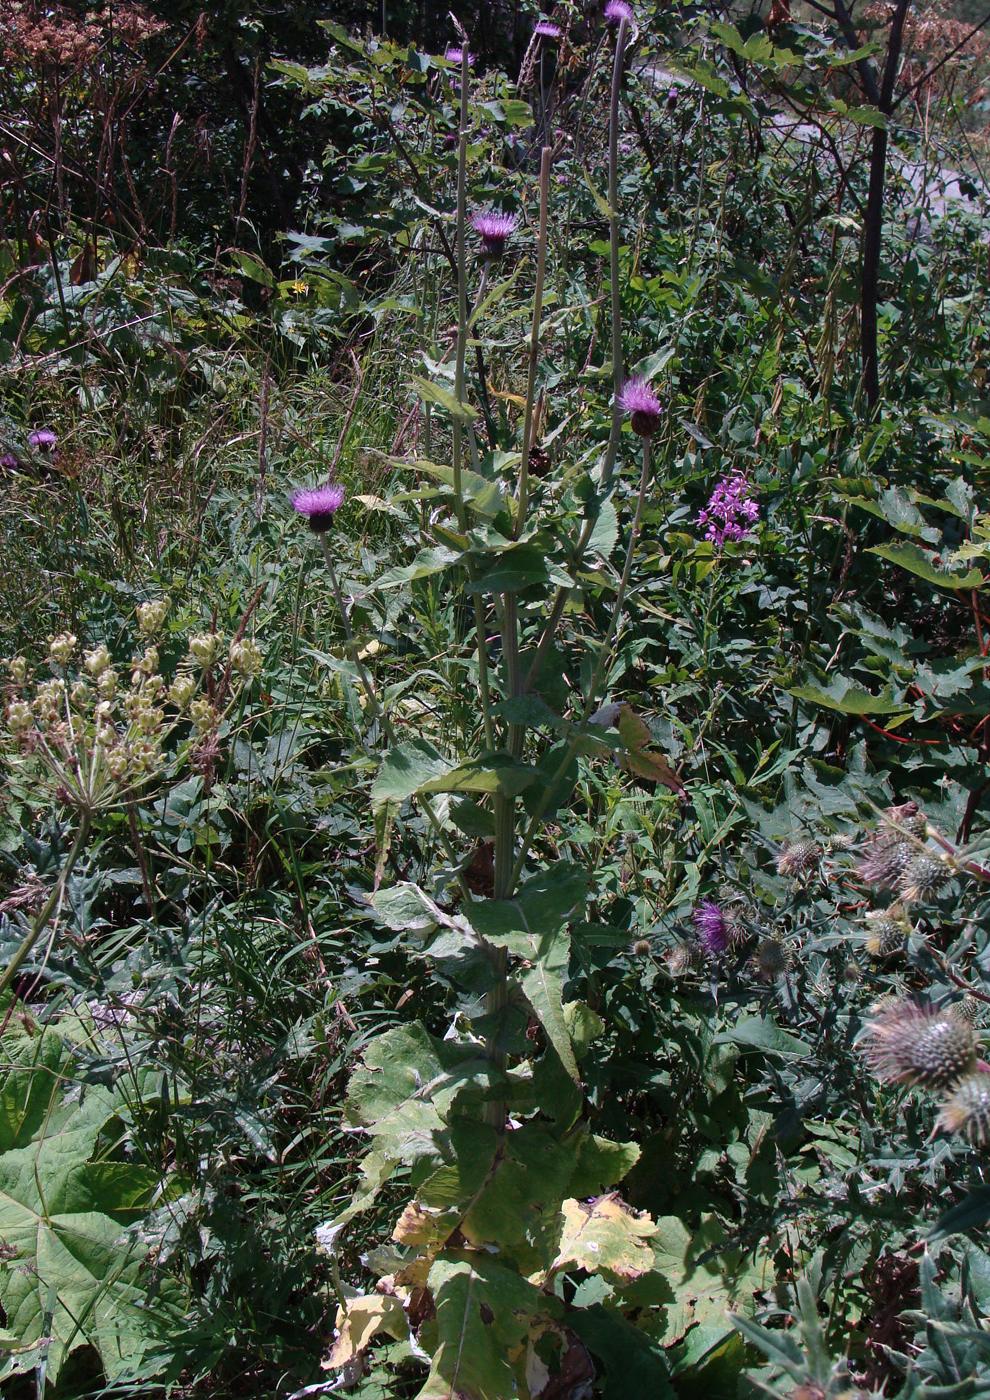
204 648
640 947
18 668
151 616
885 861
886 932
911 1044
923 876
96 661
968 1009
907 817
682 958
967 1109
245 657
771 959
797 857
60 648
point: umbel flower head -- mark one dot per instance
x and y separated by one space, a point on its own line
911 1044
494 228
641 403
319 506
617 10
731 511
967 1109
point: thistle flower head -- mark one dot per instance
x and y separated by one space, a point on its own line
797 857
911 1044
923 876
771 959
714 929
319 506
640 947
967 1009
43 439
886 932
617 10
672 96
494 228
884 861
967 1109
905 817
9 461
546 29
641 403
681 959
455 54
731 511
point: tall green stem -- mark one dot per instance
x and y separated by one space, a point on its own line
604 660
378 713
612 448
462 311
40 921
534 344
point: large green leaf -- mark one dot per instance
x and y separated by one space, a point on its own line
485 1314
533 926
910 557
75 1278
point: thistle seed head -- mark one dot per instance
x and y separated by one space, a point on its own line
886 932
683 958
885 861
922 877
771 959
967 1109
798 857
918 1045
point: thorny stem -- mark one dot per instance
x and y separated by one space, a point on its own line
604 660
54 900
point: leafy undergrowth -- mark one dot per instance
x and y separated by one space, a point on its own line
524 937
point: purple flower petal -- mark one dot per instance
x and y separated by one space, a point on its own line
319 505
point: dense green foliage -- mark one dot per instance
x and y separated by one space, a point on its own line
447 961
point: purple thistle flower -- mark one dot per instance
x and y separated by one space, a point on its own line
319 505
641 403
494 229
617 10
714 933
547 29
731 512
43 438
454 54
9 461
672 95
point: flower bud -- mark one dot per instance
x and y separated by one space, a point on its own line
61 648
967 1109
204 648
182 690
19 717
798 857
18 668
911 1044
923 877
245 657
96 661
150 616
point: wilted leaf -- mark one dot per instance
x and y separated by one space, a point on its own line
605 1236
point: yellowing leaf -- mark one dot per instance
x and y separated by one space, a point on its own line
376 1312
605 1236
